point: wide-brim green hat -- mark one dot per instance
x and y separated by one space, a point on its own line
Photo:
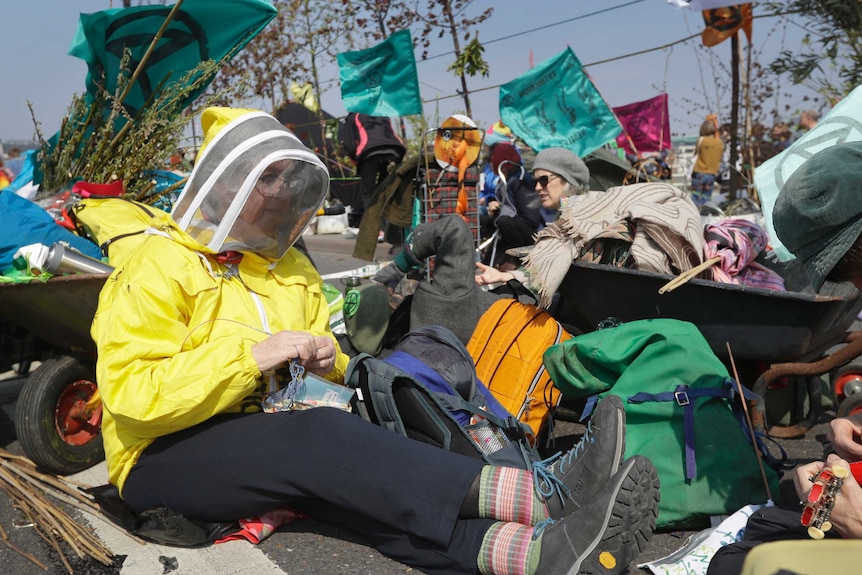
818 213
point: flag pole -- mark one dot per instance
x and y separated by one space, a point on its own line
734 113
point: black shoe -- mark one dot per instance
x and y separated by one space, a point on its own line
571 480
608 533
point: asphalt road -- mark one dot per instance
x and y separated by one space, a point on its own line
304 547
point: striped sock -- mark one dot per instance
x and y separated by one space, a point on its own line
507 494
509 549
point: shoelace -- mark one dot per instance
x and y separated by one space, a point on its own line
546 481
541 526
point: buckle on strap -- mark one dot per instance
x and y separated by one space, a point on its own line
681 398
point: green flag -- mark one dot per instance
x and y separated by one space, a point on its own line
198 31
382 80
556 105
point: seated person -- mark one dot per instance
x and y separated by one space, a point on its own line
517 206
648 226
818 217
558 174
210 314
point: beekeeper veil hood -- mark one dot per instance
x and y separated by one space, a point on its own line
254 187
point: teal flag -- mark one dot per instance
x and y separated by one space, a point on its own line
200 30
556 105
382 80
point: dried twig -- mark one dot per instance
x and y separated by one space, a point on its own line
27 488
4 537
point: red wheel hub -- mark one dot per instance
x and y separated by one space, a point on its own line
75 424
851 378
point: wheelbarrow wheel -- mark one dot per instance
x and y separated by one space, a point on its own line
58 417
846 381
851 405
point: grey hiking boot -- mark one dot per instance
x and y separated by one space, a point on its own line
608 533
569 481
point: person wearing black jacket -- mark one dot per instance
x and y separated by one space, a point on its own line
372 143
519 206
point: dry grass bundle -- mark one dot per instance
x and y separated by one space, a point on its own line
100 142
29 489
95 145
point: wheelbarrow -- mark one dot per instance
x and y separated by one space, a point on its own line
787 332
58 414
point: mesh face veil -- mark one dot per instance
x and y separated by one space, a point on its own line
254 188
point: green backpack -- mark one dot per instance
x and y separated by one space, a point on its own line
679 402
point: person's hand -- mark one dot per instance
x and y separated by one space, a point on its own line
846 516
315 353
802 475
493 206
845 435
389 276
491 275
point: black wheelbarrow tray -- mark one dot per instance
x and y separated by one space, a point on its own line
785 331
58 413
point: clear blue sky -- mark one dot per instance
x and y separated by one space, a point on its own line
37 35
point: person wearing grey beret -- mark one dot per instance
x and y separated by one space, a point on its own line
558 174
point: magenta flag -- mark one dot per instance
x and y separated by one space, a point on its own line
646 126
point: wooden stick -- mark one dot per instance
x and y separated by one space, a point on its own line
748 421
4 538
687 275
28 488
149 51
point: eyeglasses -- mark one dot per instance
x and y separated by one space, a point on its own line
543 180
276 182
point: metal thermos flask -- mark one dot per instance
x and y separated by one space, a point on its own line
351 282
65 261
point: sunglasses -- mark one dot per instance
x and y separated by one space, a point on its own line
543 180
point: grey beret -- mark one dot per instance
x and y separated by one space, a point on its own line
564 163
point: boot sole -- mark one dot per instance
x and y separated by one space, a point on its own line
628 523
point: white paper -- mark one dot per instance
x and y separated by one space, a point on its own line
694 556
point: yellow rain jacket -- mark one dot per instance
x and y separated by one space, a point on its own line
174 333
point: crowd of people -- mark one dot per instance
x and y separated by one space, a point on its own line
238 309
236 306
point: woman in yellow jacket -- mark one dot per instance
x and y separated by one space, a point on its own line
198 325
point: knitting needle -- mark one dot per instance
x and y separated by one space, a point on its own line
750 426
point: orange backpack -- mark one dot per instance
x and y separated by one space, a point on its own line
507 346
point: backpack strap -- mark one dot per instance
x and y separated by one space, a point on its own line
378 383
685 397
105 245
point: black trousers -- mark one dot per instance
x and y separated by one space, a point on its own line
765 525
372 171
403 496
515 232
